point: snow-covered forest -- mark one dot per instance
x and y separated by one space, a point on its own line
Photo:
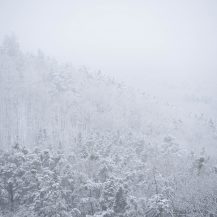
76 143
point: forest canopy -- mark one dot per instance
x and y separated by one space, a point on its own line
77 143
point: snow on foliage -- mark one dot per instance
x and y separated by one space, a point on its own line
78 144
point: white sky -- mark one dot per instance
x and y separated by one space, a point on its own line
136 41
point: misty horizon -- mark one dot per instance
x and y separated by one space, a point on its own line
130 41
108 108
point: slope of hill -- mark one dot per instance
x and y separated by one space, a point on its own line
76 144
42 98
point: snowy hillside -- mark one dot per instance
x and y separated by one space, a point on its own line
41 98
77 143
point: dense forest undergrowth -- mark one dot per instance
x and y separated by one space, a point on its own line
77 144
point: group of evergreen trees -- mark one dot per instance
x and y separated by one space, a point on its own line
79 144
107 181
